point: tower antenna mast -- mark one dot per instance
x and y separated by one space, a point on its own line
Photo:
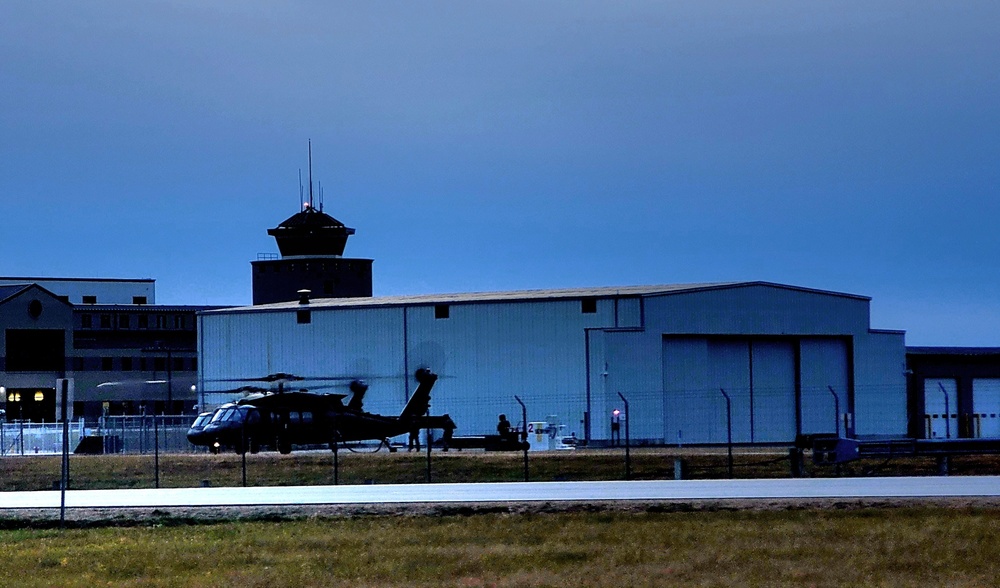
310 173
301 190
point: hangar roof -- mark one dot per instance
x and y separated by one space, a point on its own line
953 350
519 296
9 291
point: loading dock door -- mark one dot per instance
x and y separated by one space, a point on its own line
938 424
986 407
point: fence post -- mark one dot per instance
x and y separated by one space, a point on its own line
836 410
947 413
64 481
524 434
429 440
156 449
336 460
729 429
244 448
628 459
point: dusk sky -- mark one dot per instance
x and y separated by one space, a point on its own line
846 146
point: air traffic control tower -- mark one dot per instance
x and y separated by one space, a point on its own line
312 248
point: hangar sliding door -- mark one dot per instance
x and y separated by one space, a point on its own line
758 376
691 411
773 378
824 370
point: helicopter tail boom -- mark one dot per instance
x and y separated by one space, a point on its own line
420 401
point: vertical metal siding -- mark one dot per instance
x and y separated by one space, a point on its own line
490 352
880 384
632 368
756 310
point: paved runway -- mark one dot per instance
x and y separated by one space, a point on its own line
847 488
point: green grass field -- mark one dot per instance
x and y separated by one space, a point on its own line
894 547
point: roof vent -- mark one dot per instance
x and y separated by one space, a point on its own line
304 296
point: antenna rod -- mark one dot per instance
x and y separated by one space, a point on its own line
310 173
301 191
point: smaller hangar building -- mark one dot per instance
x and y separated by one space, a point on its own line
791 360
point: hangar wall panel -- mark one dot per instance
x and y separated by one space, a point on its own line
629 314
363 343
880 384
633 368
756 310
490 352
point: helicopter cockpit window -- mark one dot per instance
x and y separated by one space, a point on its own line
222 415
307 417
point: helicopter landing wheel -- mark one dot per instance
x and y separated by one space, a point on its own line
284 445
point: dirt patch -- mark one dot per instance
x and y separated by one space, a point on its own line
89 517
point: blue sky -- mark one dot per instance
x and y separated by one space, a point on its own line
849 146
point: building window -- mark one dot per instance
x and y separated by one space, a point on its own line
303 317
63 298
441 311
106 364
105 321
143 364
178 364
160 364
126 364
90 299
161 321
588 305
178 321
143 321
123 321
86 321
138 300
194 364
35 350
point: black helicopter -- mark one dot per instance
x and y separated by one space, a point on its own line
281 419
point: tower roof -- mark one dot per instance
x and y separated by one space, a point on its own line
310 233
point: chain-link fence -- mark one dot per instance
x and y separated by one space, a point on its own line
652 434
114 434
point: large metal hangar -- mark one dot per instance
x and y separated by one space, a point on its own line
790 360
